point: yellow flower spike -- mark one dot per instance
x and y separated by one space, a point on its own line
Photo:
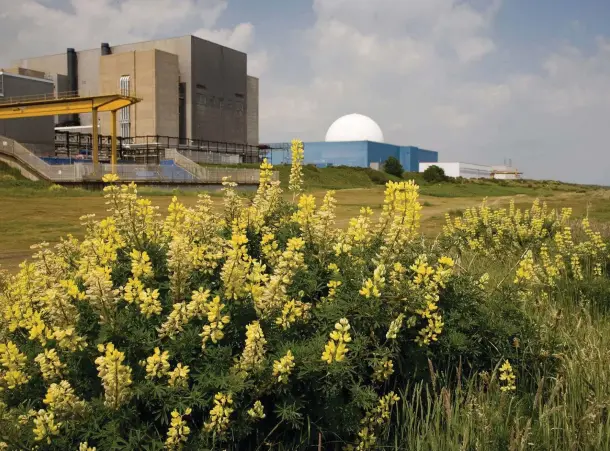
336 349
115 376
110 178
257 411
220 413
179 376
157 365
178 432
283 368
45 426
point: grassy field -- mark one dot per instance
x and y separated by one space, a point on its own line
31 212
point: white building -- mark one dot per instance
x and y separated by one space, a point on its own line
474 171
465 170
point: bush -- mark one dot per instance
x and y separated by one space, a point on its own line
434 174
265 324
392 166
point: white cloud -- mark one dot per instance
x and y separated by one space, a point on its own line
35 27
415 67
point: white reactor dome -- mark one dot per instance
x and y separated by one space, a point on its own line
354 127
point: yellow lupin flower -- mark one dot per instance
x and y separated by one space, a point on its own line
116 377
14 363
141 266
45 426
178 431
257 412
336 348
220 413
508 377
283 368
84 446
254 350
179 376
157 365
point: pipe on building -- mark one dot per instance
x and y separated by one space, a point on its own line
73 79
106 49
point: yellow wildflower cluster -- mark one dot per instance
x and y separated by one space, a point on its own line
316 224
237 264
372 287
45 426
62 401
183 312
336 348
283 368
383 369
179 376
291 311
357 235
395 327
12 362
400 218
84 446
508 377
157 365
274 296
220 413
494 231
254 350
427 282
50 365
295 184
525 270
217 321
141 266
257 412
178 431
375 420
116 377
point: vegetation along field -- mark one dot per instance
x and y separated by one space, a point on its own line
272 320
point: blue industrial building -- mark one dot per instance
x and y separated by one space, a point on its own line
354 153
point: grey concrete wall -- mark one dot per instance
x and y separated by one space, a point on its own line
37 133
252 111
219 92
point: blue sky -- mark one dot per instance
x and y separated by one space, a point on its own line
477 80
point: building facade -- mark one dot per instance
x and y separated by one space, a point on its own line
36 132
190 88
474 171
354 153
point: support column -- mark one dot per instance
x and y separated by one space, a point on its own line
113 145
95 139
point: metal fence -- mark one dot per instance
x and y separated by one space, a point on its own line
175 168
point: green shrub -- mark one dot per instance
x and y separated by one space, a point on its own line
392 166
434 174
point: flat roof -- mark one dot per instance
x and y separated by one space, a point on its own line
26 77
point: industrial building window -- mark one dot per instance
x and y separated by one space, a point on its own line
124 117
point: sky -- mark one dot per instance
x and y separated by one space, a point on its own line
480 81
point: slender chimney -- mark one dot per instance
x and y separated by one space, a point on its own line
73 78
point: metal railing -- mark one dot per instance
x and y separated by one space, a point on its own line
176 168
244 176
55 173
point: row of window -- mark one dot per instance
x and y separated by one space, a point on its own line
215 102
124 116
201 99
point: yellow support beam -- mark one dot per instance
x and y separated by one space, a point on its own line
95 139
113 144
15 108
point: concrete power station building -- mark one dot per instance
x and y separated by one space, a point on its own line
192 89
355 140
